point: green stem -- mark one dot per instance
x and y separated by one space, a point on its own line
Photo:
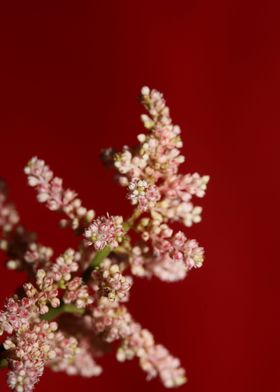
64 308
96 261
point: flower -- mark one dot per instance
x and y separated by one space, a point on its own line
37 253
77 293
177 192
111 319
32 349
108 281
105 231
165 255
158 155
82 364
24 375
194 254
144 194
50 191
29 350
8 214
67 263
16 315
65 352
154 359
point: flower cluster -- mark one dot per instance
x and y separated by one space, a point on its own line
77 293
32 349
144 194
154 359
114 322
164 254
53 277
8 214
81 364
31 343
108 281
105 231
158 155
144 264
16 315
37 254
177 247
151 173
86 289
20 246
177 192
50 191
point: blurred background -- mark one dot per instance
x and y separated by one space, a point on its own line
70 76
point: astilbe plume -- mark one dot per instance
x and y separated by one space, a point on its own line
86 290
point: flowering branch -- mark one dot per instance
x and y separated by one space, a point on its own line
74 305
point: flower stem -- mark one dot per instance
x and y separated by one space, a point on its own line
96 261
64 308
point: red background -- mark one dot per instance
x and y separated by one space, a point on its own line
70 73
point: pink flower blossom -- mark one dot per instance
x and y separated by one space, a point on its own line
109 282
154 359
158 155
166 269
166 255
77 293
177 192
47 296
111 319
8 214
144 264
194 254
144 194
54 276
29 351
24 375
50 191
158 361
16 315
105 231
83 363
66 264
65 351
38 254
